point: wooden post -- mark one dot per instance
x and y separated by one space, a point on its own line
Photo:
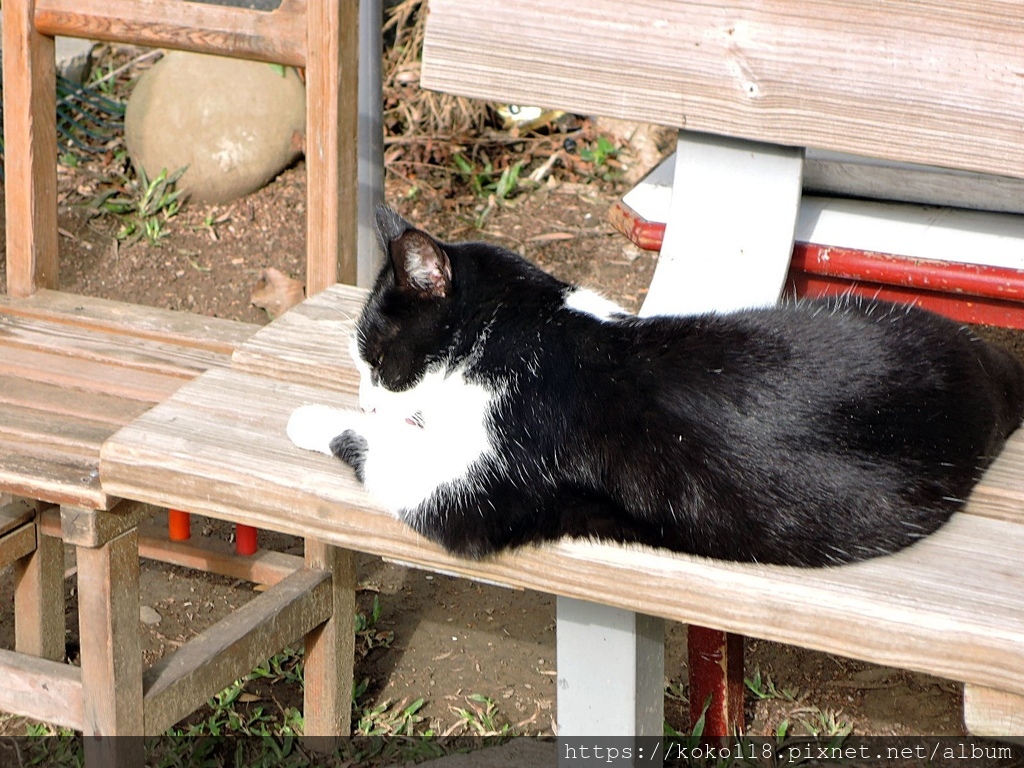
371 140
716 680
30 151
332 119
330 652
39 600
108 605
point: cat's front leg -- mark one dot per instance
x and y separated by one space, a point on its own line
314 427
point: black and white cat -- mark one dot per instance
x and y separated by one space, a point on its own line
502 406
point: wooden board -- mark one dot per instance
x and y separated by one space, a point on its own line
183 328
233 646
276 37
332 146
932 82
952 605
309 343
30 159
989 712
74 369
41 689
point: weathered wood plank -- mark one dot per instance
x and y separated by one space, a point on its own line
17 544
39 599
208 451
216 556
115 349
332 148
183 328
330 650
277 36
56 400
30 157
1000 494
310 342
108 608
210 556
33 365
41 689
208 663
56 431
14 514
55 477
94 528
938 83
990 712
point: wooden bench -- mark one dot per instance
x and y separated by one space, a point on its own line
951 606
75 369
903 82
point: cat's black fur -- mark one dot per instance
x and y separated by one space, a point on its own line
809 434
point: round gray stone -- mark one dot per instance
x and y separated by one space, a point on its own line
236 124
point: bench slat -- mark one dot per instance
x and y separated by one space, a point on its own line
182 328
208 448
54 477
309 343
129 352
804 73
59 431
277 36
74 369
91 376
55 399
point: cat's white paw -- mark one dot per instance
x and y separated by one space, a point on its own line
312 427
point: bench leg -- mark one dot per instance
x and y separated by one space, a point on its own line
330 652
39 600
108 605
611 671
989 712
716 680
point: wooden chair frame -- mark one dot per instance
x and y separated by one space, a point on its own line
112 695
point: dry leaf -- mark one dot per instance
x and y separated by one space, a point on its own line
276 293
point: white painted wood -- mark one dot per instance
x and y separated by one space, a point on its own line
611 670
838 174
730 230
902 229
914 231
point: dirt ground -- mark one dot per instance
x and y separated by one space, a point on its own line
437 638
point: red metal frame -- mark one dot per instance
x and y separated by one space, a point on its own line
967 293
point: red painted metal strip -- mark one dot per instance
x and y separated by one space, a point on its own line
716 680
922 274
968 293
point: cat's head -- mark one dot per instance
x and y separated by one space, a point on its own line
404 329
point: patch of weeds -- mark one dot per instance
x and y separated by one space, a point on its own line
368 636
391 719
763 688
601 155
825 724
142 205
49 746
480 718
487 183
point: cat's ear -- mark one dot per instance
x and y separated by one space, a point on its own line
419 262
